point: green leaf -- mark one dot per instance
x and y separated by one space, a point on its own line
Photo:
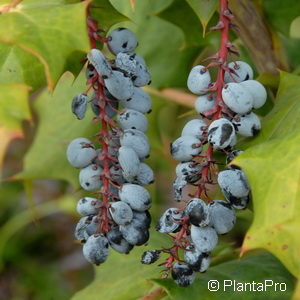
54 32
191 26
14 109
295 28
281 13
272 165
256 268
268 79
14 64
141 8
106 14
46 157
204 9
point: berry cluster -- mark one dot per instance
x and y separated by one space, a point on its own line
117 216
225 107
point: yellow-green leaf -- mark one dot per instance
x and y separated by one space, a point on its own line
204 9
295 28
54 32
46 157
14 64
14 109
272 164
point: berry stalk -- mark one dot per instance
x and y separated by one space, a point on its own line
105 157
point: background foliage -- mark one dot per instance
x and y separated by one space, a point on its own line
42 44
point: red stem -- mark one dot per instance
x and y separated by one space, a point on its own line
221 58
93 29
105 157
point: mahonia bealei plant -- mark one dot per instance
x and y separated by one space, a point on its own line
112 164
224 106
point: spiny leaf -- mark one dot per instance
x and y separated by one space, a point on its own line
204 9
54 32
231 275
14 64
272 164
57 127
14 109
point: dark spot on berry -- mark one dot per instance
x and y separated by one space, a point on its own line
121 28
227 130
83 200
124 45
128 99
149 82
133 127
254 131
104 76
234 167
247 77
225 204
149 111
212 130
87 183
